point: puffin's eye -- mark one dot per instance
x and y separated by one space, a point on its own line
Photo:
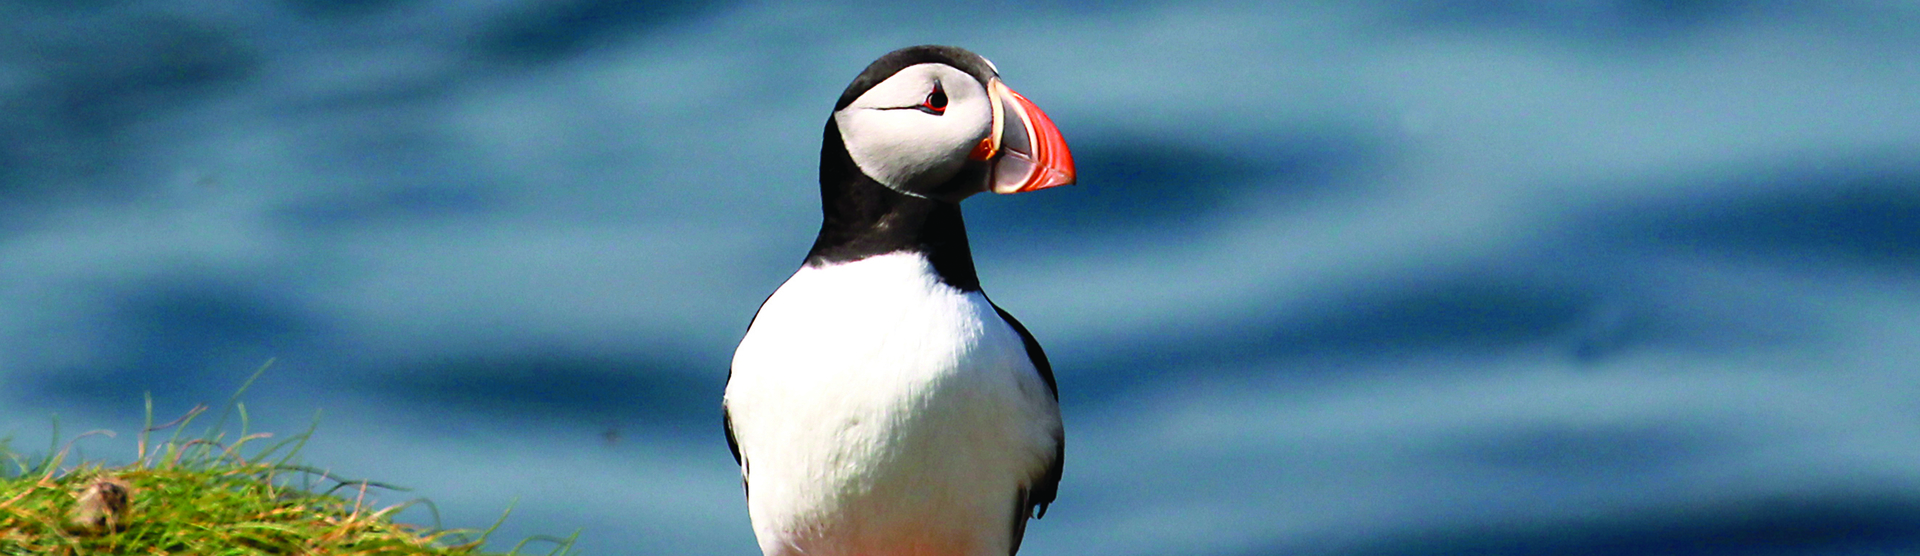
936 102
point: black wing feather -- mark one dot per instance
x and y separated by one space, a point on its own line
1033 501
726 415
732 443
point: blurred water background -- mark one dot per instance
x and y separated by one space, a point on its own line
1343 278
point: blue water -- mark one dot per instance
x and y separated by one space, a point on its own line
1601 277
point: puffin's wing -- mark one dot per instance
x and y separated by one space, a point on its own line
726 415
1034 500
1034 352
732 443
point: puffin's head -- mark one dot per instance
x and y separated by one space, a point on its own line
937 122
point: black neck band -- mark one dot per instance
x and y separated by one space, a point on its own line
863 218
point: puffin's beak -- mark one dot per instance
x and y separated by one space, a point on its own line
1025 148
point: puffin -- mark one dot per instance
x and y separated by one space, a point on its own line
879 404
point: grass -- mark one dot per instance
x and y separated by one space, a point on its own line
208 495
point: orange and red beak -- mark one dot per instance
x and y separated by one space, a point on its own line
1025 148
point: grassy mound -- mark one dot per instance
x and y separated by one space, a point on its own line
208 496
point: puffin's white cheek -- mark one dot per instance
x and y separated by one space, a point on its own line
906 148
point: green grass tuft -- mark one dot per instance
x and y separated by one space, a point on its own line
209 496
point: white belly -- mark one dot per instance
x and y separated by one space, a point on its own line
881 412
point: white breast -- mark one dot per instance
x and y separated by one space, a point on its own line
880 411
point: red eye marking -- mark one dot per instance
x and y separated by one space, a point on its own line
936 102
